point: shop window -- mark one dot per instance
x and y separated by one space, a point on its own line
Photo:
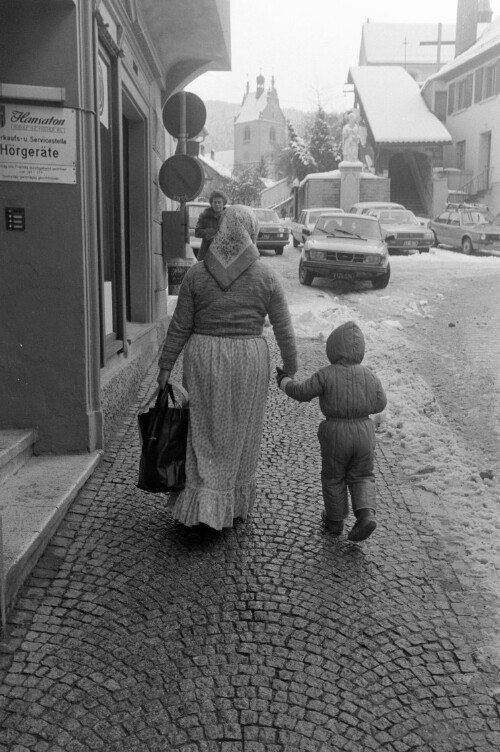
123 208
111 328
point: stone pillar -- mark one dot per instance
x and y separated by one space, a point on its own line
350 175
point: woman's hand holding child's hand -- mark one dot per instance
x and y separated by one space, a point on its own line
281 374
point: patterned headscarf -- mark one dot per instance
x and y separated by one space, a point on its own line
233 248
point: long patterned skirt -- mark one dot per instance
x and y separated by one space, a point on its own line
227 379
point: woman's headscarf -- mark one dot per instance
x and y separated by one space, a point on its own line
233 248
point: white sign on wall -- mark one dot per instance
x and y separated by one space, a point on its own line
37 144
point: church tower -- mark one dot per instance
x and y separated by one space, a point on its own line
259 128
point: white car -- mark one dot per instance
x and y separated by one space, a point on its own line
306 221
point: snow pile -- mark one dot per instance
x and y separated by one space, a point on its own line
459 494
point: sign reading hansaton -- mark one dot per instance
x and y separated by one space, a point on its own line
37 144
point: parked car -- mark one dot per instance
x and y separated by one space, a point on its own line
363 207
195 208
471 227
306 221
346 247
273 235
406 231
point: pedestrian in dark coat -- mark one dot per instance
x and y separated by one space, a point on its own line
348 394
208 222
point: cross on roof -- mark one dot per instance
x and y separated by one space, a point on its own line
439 41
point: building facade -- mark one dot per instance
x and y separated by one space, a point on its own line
83 304
465 95
259 128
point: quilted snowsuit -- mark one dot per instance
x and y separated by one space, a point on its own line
348 394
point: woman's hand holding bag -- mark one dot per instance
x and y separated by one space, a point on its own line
163 430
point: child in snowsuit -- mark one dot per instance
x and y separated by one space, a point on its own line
348 394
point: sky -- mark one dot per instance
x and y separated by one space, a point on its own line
309 46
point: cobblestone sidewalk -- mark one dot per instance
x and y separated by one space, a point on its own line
135 634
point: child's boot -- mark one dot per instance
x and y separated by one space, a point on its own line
364 526
333 526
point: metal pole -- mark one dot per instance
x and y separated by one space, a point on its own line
183 149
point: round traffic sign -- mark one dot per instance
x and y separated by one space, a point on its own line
196 114
181 177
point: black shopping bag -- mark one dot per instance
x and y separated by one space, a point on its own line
163 430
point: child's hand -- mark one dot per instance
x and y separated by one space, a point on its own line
281 374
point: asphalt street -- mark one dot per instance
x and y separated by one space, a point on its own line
134 633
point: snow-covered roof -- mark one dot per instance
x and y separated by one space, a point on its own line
225 157
252 107
394 107
332 174
217 166
401 43
489 39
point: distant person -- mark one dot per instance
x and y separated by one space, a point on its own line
208 222
218 322
348 394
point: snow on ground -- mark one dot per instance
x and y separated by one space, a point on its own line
452 484
450 481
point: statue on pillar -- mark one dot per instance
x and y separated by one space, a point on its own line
351 138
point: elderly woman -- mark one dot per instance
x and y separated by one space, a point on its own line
208 222
219 321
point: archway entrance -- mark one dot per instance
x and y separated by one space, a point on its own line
411 177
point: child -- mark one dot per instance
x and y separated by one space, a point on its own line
348 394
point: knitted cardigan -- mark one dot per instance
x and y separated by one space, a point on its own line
239 311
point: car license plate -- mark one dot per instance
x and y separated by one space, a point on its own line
410 243
266 237
341 275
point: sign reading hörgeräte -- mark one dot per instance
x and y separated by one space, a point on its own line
37 144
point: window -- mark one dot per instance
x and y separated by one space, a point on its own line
454 218
111 328
490 75
487 81
478 85
123 207
463 93
460 155
246 134
451 98
440 100
272 134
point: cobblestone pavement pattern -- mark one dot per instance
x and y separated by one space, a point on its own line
136 634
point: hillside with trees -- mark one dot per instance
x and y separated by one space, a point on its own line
220 120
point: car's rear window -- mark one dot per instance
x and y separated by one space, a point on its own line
399 217
266 215
362 226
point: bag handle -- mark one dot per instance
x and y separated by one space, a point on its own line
156 394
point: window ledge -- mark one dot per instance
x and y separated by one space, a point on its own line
137 330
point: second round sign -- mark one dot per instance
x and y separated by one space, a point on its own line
181 177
